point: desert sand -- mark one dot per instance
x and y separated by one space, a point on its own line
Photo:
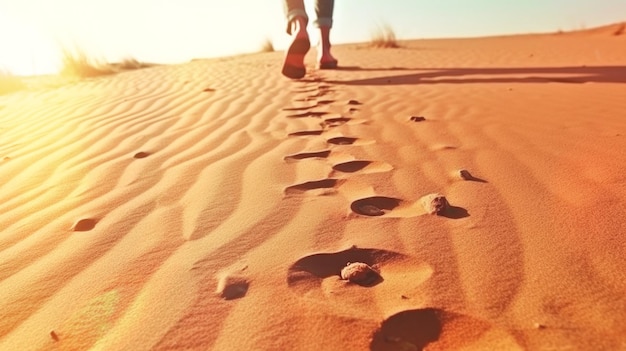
212 205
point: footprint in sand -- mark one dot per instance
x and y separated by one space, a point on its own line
318 276
306 155
343 140
141 154
312 270
325 102
375 206
303 108
414 330
316 114
361 166
306 133
315 187
84 225
382 206
335 122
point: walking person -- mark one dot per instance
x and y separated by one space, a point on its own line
297 20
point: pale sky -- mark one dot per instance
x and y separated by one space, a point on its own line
172 31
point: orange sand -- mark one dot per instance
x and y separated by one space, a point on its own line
141 212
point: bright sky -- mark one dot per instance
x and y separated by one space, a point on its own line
171 31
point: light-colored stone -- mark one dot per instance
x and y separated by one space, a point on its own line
434 203
360 273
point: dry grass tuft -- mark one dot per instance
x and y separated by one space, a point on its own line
384 37
9 83
76 63
267 46
130 63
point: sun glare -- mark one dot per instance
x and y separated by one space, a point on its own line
24 50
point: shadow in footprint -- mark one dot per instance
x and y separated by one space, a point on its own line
374 206
342 140
308 114
141 154
408 330
84 225
304 108
305 155
311 270
325 102
439 330
312 185
454 212
307 133
335 122
352 166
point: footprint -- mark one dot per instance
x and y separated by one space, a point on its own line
141 154
305 155
306 133
344 140
84 225
335 122
310 272
375 206
325 102
317 277
303 108
362 166
322 186
316 114
439 330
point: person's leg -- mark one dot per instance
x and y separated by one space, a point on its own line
297 21
324 12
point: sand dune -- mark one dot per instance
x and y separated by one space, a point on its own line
212 205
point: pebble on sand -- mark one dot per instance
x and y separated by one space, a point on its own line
465 174
360 273
232 287
54 335
417 118
434 203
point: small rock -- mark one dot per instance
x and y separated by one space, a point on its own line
465 174
539 326
54 335
360 273
434 203
404 297
6 158
232 287
208 90
417 118
354 102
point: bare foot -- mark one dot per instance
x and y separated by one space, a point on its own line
324 58
293 66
